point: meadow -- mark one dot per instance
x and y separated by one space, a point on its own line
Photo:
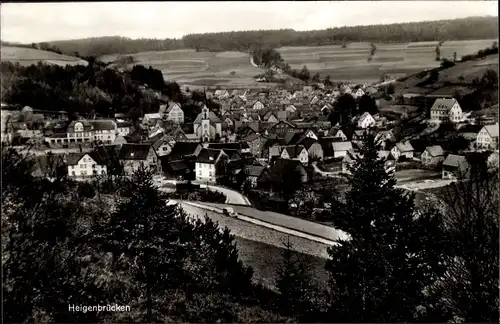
234 70
27 56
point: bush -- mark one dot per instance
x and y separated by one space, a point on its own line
86 190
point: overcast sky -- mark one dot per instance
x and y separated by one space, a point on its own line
39 22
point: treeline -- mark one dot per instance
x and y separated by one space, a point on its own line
456 29
493 49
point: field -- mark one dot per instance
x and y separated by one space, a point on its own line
28 56
198 69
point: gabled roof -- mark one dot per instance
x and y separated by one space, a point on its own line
229 146
102 124
87 127
492 130
404 146
443 103
209 156
294 150
307 142
291 138
364 116
134 151
341 146
182 149
435 150
74 158
453 160
152 116
211 116
250 138
171 106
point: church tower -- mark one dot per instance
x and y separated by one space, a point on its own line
205 125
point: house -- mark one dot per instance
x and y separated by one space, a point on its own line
340 134
162 147
279 169
85 165
307 90
79 131
326 109
402 149
290 109
123 128
256 143
432 155
240 147
206 165
151 119
252 174
309 133
258 105
445 109
487 138
173 113
313 147
133 155
184 151
359 93
283 127
207 126
454 167
104 130
346 89
340 148
366 120
295 152
221 94
270 117
385 138
314 100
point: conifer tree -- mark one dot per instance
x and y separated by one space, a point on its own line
380 273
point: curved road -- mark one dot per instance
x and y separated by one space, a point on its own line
232 196
327 174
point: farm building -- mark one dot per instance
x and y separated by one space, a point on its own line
446 109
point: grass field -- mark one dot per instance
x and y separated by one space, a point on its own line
28 56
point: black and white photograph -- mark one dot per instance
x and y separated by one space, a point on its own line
250 162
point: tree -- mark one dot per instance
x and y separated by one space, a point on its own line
389 89
367 104
380 272
327 81
454 56
489 79
315 78
469 290
456 144
346 106
294 283
304 73
302 202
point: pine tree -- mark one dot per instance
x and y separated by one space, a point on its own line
294 283
379 275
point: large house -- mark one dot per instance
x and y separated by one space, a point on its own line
445 109
173 113
87 132
432 155
454 167
207 126
206 167
133 155
487 138
85 164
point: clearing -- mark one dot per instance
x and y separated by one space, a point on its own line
27 56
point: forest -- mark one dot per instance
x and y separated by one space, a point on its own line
455 29
95 89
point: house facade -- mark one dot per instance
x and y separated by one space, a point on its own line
445 109
454 167
132 156
432 155
174 113
402 149
85 165
295 152
366 120
487 138
206 165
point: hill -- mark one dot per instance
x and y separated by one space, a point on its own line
455 29
27 56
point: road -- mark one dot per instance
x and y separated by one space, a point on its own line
424 184
232 196
327 174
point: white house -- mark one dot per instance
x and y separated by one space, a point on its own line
359 93
432 155
446 109
366 120
311 134
123 128
173 113
295 152
340 134
85 165
402 149
206 164
487 138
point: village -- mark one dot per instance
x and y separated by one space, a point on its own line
256 138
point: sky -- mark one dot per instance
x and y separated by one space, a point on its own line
38 22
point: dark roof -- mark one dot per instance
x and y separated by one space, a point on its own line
283 166
230 146
232 154
133 151
253 170
182 149
307 142
208 156
294 151
102 124
74 158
